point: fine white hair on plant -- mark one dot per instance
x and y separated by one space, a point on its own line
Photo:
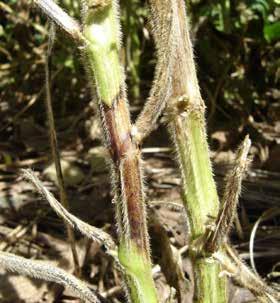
231 195
44 271
165 27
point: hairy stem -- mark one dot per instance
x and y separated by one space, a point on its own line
228 211
101 30
163 22
187 125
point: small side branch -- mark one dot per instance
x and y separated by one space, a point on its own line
61 18
85 229
164 23
44 271
230 199
234 268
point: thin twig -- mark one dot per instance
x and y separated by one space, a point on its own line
54 147
236 269
84 228
44 271
230 199
30 103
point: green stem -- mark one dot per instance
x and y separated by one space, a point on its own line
200 200
199 190
200 195
211 287
101 31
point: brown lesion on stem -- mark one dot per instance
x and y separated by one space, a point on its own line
133 197
126 157
117 125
